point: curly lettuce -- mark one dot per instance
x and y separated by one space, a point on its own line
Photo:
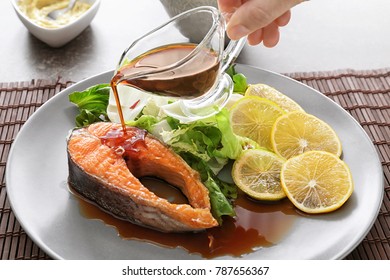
92 104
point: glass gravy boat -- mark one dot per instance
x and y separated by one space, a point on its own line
184 58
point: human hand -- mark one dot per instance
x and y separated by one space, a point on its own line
258 19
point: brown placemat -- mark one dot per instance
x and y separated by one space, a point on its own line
17 102
364 94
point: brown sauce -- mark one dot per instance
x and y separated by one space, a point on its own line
192 79
256 225
125 142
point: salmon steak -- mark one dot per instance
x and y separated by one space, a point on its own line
105 165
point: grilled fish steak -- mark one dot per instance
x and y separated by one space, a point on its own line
105 167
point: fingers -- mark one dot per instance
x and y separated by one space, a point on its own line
256 37
284 19
248 18
269 35
255 14
229 6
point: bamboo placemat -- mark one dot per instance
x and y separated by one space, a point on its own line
364 94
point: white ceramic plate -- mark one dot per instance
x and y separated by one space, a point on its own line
37 173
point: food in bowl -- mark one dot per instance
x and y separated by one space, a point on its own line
38 11
61 35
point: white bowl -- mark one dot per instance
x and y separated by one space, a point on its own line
57 37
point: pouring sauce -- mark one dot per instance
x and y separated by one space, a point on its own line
189 80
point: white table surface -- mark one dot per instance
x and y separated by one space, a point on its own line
322 35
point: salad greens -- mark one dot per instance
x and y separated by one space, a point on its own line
239 79
220 192
92 104
206 145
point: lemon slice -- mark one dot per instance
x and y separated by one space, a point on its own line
297 132
257 173
253 117
283 101
316 181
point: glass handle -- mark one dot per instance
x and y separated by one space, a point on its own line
231 52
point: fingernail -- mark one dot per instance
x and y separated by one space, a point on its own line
237 32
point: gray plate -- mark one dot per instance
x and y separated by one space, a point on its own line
37 173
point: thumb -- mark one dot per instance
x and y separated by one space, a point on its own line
256 14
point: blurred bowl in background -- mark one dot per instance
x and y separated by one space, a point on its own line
58 36
194 28
175 7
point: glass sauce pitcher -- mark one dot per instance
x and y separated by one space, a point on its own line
184 58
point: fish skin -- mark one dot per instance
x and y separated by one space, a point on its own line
104 177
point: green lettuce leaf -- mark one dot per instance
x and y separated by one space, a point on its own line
92 104
221 193
239 79
211 139
145 122
231 146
